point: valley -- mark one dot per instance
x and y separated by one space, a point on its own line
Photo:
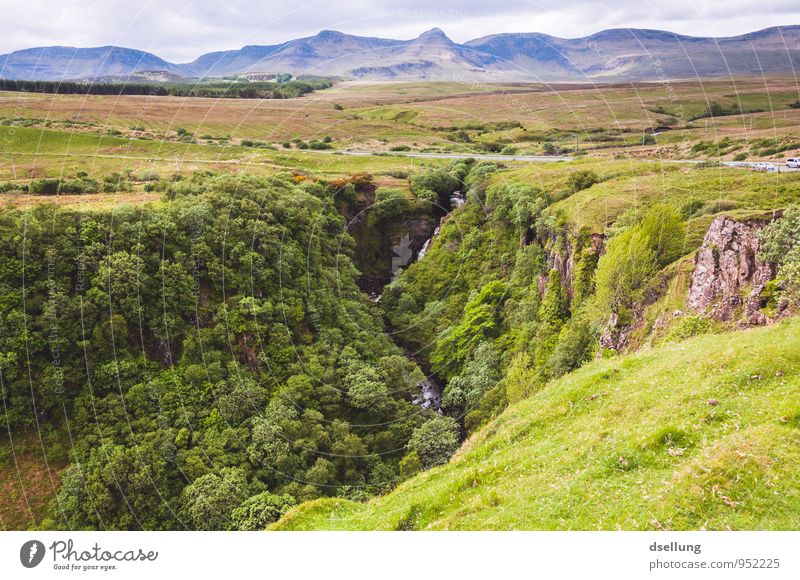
422 305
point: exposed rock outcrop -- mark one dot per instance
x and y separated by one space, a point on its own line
728 278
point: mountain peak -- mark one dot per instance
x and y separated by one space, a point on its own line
434 36
330 34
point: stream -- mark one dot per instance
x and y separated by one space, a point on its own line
430 389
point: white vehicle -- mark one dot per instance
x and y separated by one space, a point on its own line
793 162
767 167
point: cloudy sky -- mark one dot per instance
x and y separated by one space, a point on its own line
181 30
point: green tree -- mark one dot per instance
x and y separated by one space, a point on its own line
210 500
257 512
780 244
435 441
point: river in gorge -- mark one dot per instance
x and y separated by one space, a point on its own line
430 389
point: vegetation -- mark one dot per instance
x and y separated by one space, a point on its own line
780 244
217 90
225 349
667 439
197 379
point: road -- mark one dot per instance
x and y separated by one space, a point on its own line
535 158
480 156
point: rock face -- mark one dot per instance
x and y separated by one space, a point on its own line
728 277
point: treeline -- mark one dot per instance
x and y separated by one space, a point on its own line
221 90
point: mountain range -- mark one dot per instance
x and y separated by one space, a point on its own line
610 55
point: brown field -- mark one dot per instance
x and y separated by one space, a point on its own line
61 135
27 483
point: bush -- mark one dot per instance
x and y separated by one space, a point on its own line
634 256
390 203
576 344
435 441
319 145
435 186
257 512
688 326
780 244
210 499
582 179
479 323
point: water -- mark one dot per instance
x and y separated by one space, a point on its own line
426 246
430 396
457 200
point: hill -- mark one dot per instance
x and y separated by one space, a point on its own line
692 435
619 54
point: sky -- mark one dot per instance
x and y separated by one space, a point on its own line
181 30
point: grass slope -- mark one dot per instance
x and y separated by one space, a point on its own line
701 434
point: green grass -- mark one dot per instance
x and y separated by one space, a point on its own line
701 434
645 184
45 153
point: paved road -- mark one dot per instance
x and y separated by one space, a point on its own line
481 156
781 168
535 158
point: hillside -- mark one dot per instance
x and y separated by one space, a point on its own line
619 54
701 434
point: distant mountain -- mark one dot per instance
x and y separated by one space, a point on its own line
62 62
634 54
618 54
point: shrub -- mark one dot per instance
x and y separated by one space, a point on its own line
257 512
688 326
390 203
780 244
582 179
210 499
518 203
479 323
435 185
576 344
435 441
319 145
634 256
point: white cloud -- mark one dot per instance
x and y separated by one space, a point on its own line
180 30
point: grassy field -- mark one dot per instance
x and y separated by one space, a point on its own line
32 153
695 435
600 119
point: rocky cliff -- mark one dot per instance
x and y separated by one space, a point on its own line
728 278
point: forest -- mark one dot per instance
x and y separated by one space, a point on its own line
212 361
207 89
